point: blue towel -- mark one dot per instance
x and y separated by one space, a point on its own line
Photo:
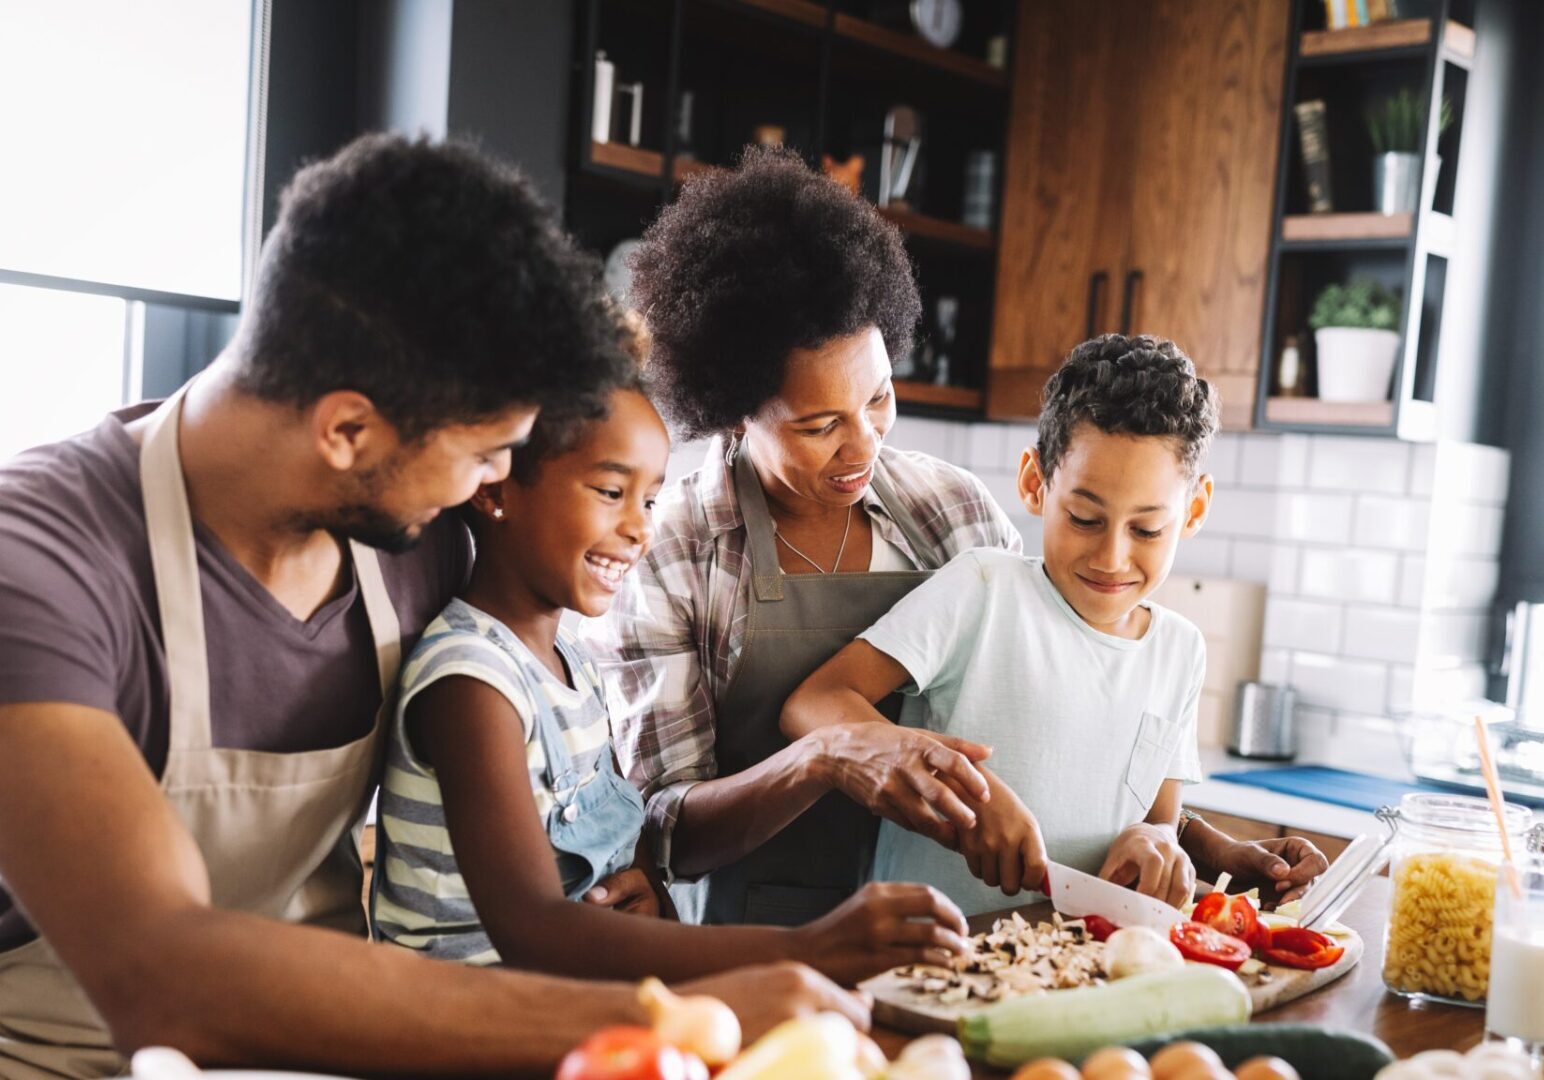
1360 791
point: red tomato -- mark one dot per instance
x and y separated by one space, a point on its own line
1295 947
629 1053
1196 941
1099 928
1234 916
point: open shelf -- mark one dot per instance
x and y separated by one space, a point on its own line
802 11
931 228
1394 35
915 49
650 163
1339 228
944 397
1312 411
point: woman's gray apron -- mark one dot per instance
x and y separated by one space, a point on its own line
796 622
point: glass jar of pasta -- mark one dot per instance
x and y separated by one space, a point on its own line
1442 861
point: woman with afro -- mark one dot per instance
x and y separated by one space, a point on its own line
775 301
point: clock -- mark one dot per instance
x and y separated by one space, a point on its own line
937 22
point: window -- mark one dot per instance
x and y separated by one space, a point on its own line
125 127
63 363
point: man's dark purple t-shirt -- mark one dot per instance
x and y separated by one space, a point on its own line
79 620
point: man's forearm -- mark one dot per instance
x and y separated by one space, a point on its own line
235 989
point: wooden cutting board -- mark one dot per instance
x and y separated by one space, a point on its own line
897 1006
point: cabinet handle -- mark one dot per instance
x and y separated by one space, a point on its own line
1132 277
1096 281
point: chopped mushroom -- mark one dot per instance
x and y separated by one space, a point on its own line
1012 959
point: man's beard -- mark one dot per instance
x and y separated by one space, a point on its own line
364 521
372 527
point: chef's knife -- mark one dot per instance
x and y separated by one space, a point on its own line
1074 894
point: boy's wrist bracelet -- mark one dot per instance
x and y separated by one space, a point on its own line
1185 818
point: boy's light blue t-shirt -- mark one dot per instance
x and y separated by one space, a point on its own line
1085 727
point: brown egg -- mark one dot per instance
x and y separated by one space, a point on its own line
1116 1063
1046 1069
1266 1068
1185 1061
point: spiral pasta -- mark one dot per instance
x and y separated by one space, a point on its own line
1439 927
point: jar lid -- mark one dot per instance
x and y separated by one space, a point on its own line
1326 898
1466 816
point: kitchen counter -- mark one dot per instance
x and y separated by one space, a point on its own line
1355 1002
1291 811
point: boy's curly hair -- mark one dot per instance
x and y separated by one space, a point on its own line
434 281
1129 386
747 266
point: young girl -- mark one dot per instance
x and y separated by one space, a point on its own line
501 803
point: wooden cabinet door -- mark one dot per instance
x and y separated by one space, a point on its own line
1067 188
1202 205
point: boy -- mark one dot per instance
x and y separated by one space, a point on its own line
1086 690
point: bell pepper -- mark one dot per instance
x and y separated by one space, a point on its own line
819 1047
1295 947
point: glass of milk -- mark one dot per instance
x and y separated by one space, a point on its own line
1514 1010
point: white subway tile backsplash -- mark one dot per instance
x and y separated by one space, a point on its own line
1467 529
936 437
1401 685
1276 666
1242 513
1032 529
1453 638
1333 682
1303 624
1348 464
1286 562
1252 561
1273 460
1021 437
986 447
1223 462
1472 473
1384 521
1004 487
1382 634
1423 469
1462 584
1412 581
1203 556
1324 519
1371 576
1444 686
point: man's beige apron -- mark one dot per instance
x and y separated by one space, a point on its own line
278 832
795 623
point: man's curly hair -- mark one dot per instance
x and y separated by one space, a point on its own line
749 265
1128 386
433 281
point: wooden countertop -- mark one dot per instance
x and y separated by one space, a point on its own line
1356 1002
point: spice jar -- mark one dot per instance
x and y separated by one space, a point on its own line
1444 855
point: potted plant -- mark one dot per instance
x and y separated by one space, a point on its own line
1356 340
1395 125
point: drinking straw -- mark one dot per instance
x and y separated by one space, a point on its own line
1497 805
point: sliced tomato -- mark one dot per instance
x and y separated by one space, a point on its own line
1234 916
1197 941
629 1053
1099 928
1295 947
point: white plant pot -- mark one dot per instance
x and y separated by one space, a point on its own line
1355 364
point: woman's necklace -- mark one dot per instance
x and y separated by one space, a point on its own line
845 530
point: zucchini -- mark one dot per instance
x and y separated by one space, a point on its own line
1071 1023
1321 1053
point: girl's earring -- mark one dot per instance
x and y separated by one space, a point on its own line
498 513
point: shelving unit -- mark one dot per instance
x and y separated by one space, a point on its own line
1407 252
826 74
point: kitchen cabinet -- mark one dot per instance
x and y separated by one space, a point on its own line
1138 187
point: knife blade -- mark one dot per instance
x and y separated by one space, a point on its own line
1074 894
